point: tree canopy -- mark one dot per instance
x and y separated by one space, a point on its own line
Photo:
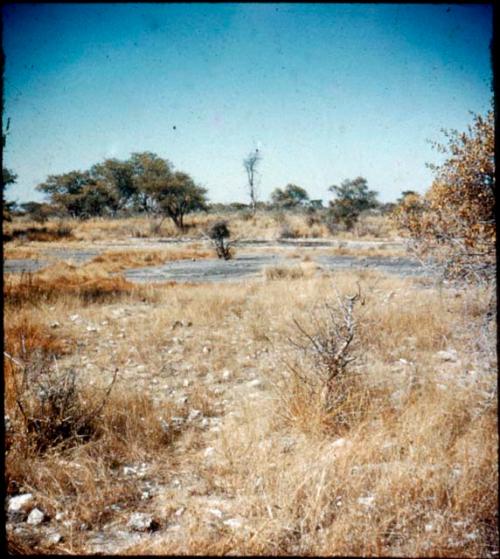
351 198
454 222
291 197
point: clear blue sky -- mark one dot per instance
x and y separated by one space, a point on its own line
327 92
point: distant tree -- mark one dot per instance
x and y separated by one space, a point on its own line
250 164
351 198
149 172
177 195
37 211
404 194
118 176
455 223
79 194
292 196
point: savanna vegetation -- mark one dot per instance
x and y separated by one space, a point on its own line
303 412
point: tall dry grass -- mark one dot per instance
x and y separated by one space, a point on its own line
405 465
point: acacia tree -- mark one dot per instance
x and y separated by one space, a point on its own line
80 195
351 198
118 176
177 195
250 164
292 196
454 223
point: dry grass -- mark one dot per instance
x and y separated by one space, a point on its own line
406 465
264 225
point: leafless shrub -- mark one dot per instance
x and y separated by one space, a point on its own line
52 406
333 346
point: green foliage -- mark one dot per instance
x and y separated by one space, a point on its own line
351 198
144 182
79 194
218 233
292 196
8 178
177 195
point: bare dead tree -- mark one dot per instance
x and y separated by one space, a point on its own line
250 164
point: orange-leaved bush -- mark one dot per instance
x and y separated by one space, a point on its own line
454 222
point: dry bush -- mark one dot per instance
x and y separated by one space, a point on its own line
57 232
283 272
67 281
454 225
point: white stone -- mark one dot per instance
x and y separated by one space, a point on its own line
216 512
55 538
140 522
91 329
129 471
366 501
55 324
205 422
206 349
20 503
233 523
194 414
60 516
74 317
209 451
340 443
226 375
448 355
429 527
35 517
255 383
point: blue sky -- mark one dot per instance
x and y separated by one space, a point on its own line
325 91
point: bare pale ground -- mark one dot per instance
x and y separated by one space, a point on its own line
211 427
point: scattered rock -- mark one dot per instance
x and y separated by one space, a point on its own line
55 324
35 517
55 538
20 503
226 375
206 349
448 355
216 512
180 512
194 414
74 317
129 471
141 522
60 516
91 329
366 501
341 444
209 451
255 383
233 523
